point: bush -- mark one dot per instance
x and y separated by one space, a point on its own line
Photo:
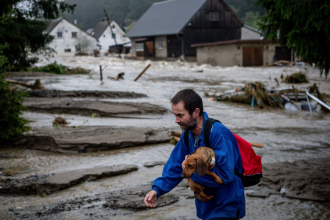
12 124
50 68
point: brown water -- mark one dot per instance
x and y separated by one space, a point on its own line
286 135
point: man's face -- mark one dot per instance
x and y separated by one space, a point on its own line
183 118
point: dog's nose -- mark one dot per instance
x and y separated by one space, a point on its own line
182 175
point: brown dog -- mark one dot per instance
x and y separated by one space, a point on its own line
201 161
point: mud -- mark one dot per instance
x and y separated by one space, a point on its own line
47 184
84 94
89 139
92 108
305 180
282 179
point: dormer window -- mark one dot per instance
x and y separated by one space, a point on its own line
214 16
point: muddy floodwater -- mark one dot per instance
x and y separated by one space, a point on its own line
124 123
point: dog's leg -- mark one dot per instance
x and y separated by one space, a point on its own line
199 197
201 193
214 176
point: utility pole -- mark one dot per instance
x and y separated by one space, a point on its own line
114 37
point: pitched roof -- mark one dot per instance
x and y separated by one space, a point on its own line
100 28
164 18
52 25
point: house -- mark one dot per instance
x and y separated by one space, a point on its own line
110 39
250 50
69 39
169 28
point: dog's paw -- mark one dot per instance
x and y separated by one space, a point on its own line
219 180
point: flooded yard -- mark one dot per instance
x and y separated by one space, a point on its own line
130 131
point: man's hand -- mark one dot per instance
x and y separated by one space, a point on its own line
150 199
184 162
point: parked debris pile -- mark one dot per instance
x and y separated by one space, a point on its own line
256 94
299 77
253 93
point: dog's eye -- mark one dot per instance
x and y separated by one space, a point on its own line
189 166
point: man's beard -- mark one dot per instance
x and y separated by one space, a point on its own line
184 127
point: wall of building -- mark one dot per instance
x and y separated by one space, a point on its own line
225 55
106 40
161 48
66 44
248 34
232 54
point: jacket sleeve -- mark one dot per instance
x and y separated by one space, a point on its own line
221 142
172 170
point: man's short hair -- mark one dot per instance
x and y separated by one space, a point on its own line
190 99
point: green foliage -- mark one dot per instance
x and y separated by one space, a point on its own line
59 69
303 26
50 68
23 32
11 122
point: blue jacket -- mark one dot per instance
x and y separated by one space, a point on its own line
229 196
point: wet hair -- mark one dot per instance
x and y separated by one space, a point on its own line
190 99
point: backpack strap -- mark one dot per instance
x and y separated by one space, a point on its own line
207 130
186 139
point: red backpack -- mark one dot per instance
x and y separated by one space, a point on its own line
252 167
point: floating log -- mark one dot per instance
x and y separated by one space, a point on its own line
35 86
145 69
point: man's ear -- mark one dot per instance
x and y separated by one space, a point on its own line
196 112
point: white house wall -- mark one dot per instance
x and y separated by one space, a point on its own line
106 40
66 45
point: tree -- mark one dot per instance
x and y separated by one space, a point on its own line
11 122
24 32
302 25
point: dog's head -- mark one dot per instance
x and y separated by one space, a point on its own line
194 163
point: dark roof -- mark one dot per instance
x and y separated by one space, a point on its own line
100 28
165 18
52 25
231 42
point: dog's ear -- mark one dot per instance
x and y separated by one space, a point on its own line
201 166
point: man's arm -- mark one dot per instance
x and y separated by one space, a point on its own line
171 175
221 141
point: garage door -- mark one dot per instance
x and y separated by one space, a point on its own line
253 56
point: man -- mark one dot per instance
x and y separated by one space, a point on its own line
228 201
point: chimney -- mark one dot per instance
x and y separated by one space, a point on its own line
75 21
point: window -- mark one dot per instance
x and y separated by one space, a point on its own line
214 16
59 34
67 50
113 27
160 43
74 34
139 47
